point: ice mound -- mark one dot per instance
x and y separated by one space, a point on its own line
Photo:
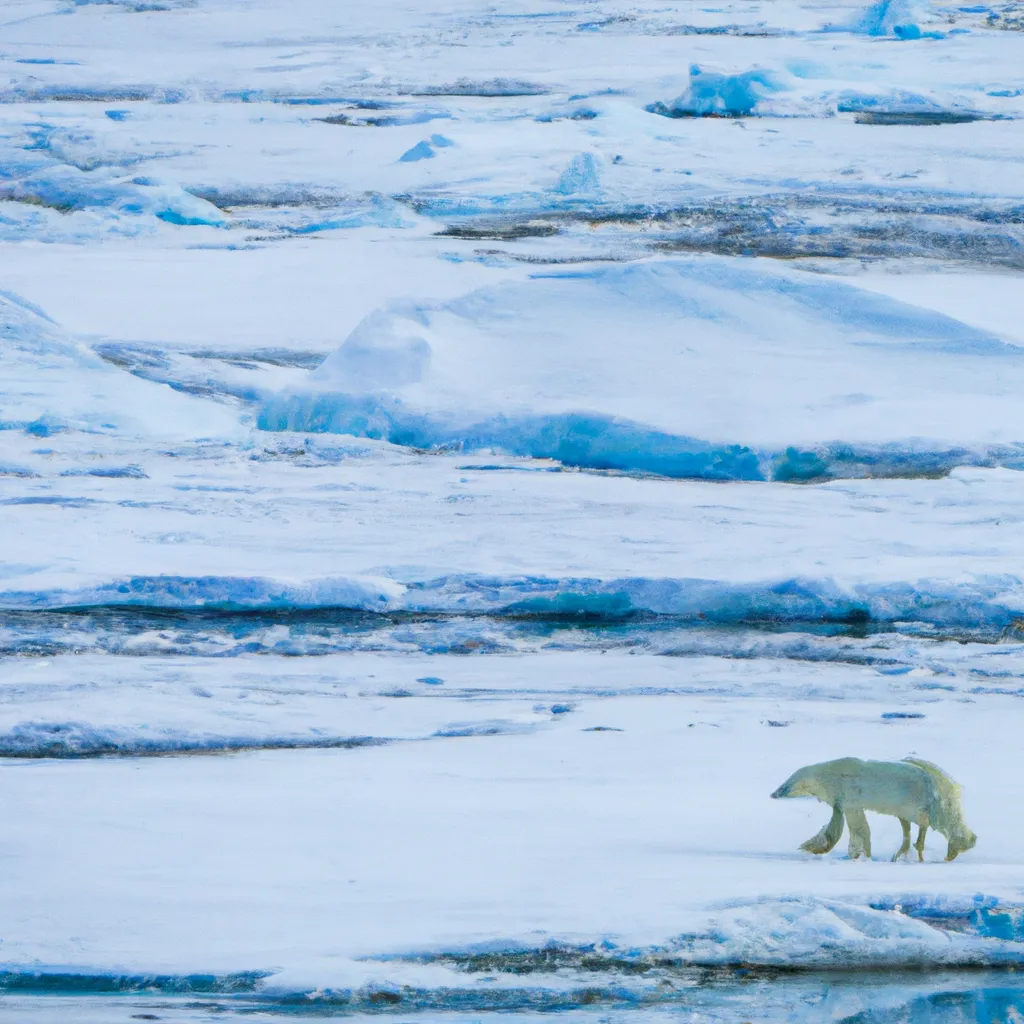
67 188
696 367
426 149
50 383
68 172
715 94
796 933
903 107
224 593
421 151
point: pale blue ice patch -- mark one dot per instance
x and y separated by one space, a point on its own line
901 106
306 219
421 151
809 69
580 177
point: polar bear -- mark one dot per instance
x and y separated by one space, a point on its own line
911 790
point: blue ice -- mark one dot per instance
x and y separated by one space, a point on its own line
421 151
715 94
897 18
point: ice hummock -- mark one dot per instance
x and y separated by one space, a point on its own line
720 94
50 383
685 367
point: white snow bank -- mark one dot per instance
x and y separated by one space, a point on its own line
50 383
695 367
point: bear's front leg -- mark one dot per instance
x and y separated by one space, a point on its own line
828 836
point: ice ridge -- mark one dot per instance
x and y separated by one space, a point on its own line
992 601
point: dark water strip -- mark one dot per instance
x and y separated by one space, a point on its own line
733 995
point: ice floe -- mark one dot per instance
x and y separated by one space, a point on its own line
664 367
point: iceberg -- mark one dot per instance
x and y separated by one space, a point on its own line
697 367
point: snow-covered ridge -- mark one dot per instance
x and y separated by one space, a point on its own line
687 403
80 739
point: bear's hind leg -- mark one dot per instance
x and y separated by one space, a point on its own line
904 850
828 836
860 834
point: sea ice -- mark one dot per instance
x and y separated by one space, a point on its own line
529 650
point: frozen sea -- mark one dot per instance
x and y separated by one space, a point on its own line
457 459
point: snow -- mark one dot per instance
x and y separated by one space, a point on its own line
457 460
